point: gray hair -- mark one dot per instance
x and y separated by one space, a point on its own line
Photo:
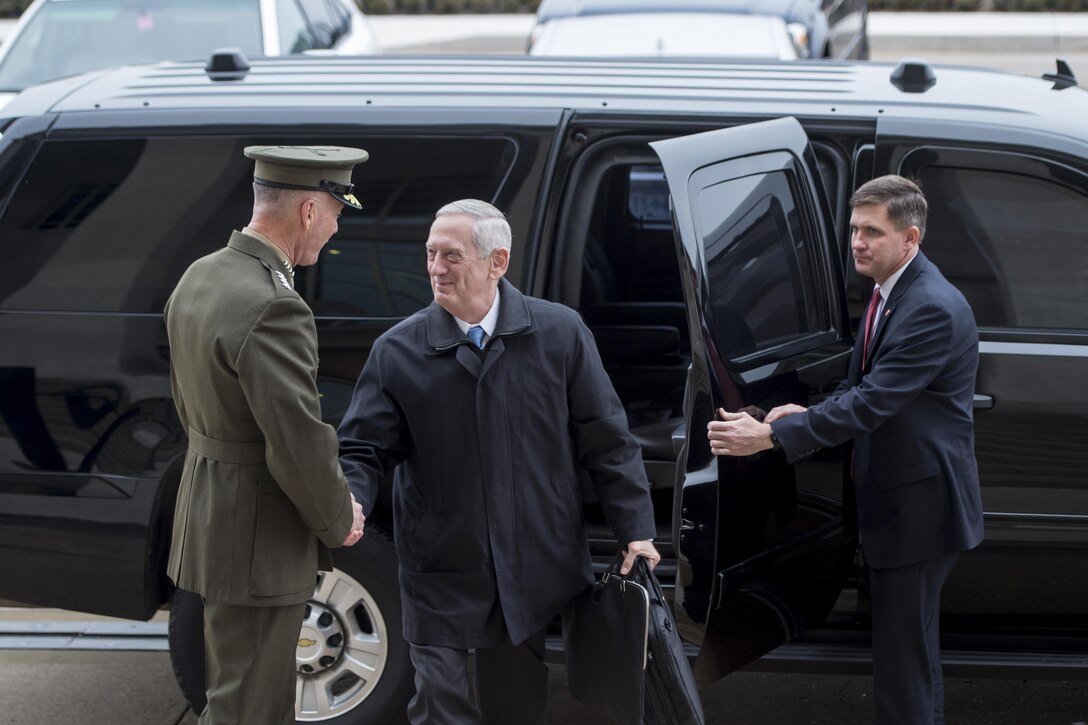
491 230
274 199
903 198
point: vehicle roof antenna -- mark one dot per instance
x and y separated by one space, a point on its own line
1064 78
227 64
913 75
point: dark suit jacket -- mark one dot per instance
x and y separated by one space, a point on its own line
909 412
486 501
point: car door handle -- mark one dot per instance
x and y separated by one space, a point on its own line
983 402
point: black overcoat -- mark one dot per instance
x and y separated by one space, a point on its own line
486 501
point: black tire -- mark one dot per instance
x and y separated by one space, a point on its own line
186 636
369 616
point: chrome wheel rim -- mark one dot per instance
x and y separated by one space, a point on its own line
342 649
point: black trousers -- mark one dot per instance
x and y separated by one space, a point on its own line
511 685
907 680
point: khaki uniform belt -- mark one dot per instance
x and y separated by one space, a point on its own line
241 452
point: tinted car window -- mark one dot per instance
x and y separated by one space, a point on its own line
68 244
12 162
326 26
1015 245
759 265
74 37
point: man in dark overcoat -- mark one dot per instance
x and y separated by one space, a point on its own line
908 406
262 497
485 403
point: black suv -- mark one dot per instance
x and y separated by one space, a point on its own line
712 270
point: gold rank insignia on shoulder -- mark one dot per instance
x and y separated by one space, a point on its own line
283 280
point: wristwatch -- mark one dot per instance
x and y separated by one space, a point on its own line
775 444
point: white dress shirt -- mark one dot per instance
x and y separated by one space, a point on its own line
488 323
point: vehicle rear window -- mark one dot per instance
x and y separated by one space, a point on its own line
110 225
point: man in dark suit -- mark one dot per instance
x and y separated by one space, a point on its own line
485 404
907 405
262 498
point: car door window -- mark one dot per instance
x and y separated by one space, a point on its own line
325 25
1012 242
67 244
340 17
295 33
759 264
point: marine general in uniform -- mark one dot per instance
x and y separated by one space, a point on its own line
262 497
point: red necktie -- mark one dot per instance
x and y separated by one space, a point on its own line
870 320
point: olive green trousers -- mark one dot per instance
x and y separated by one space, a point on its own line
250 662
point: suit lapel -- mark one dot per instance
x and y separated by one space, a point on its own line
910 274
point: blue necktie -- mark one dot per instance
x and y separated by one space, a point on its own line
476 334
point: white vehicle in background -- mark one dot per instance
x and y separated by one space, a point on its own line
658 34
57 38
818 28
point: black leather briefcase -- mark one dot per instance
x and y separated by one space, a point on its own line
671 697
604 633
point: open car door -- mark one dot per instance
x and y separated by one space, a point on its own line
763 546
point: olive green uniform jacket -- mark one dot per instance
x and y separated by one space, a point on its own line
262 495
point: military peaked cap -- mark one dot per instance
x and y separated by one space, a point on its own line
319 168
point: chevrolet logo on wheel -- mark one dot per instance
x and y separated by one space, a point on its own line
307 642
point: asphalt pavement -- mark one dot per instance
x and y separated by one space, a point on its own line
137 688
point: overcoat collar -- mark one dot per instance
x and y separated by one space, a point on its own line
514 318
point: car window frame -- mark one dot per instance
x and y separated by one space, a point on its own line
1018 163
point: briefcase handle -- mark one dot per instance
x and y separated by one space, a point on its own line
640 572
613 570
